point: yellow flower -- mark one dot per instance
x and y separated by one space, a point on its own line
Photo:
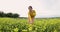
16 29
24 30
30 28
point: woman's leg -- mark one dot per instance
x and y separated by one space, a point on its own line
29 20
32 20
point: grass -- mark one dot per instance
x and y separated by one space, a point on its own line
21 25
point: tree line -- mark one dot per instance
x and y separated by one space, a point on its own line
11 15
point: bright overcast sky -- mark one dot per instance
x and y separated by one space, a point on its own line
44 8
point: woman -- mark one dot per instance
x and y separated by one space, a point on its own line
31 15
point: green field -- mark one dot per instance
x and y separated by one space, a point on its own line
21 25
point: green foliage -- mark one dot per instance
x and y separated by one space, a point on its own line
15 15
11 15
2 14
21 25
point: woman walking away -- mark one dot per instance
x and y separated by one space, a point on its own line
31 15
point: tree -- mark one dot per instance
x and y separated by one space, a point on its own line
15 15
2 14
9 15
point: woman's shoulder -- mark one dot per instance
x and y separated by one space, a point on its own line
34 11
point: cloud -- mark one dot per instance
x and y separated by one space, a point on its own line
44 8
51 8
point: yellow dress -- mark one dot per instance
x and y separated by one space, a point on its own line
31 14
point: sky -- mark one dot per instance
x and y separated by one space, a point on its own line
43 8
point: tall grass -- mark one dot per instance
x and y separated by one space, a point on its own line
21 25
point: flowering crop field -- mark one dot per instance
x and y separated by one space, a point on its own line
21 25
